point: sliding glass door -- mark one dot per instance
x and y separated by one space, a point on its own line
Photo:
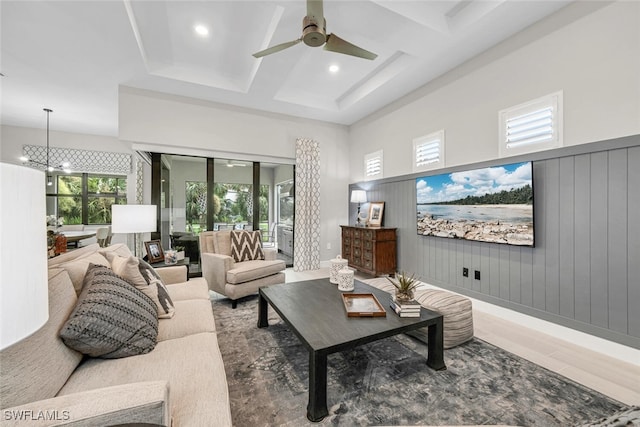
196 194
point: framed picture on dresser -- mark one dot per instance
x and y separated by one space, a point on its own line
376 210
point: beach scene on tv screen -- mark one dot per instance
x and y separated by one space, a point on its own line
493 204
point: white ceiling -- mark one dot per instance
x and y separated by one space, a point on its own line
71 56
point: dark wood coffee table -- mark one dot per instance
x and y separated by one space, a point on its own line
315 312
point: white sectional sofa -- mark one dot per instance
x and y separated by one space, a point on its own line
181 382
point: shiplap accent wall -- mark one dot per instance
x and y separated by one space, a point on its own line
584 271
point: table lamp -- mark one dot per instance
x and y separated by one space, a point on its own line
358 196
24 290
134 219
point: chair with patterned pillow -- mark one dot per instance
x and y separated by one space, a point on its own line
235 264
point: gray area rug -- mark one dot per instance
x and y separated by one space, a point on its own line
389 383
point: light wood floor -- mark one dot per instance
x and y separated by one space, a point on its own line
614 370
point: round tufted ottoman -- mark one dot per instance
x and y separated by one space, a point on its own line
456 313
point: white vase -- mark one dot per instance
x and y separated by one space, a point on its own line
337 264
345 280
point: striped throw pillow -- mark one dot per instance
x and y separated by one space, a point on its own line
112 318
246 245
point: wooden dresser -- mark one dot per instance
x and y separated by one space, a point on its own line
370 250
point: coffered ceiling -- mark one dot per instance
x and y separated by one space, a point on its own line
71 56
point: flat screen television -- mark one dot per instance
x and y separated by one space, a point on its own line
493 204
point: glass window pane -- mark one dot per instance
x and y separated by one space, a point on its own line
99 209
68 184
196 206
107 185
70 208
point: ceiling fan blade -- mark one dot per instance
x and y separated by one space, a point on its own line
336 44
315 10
276 48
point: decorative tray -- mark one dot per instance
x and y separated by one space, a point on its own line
363 305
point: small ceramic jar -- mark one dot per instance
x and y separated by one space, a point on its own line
345 279
337 264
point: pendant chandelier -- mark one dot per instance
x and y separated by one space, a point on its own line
64 166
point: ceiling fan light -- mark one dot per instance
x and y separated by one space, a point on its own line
201 30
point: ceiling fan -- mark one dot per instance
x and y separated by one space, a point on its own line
314 34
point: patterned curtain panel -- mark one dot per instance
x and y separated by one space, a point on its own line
306 254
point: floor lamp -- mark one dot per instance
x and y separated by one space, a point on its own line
24 290
134 219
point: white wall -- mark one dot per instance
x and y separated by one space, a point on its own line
590 52
172 124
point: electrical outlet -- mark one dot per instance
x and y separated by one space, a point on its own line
477 274
328 246
465 272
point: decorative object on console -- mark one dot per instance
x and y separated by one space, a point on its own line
171 257
24 301
358 196
405 286
64 166
134 219
154 251
337 264
376 210
345 280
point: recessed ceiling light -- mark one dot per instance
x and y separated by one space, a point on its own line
201 30
334 69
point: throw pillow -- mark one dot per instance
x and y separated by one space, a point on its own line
246 245
111 319
141 275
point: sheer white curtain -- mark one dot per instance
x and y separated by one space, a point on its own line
306 254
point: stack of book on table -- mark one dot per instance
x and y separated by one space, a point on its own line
405 308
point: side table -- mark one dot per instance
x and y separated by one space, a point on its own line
161 264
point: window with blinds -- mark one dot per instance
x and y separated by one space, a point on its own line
532 126
428 151
373 165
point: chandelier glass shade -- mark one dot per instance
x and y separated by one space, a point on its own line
48 167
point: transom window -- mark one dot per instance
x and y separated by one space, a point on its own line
373 163
428 151
533 126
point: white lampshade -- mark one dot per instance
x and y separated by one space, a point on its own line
358 196
133 218
24 291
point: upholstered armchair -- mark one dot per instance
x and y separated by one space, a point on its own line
230 277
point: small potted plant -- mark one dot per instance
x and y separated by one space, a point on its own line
405 286
179 252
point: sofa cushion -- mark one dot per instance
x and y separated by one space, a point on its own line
141 275
112 318
192 365
77 268
246 245
195 288
222 242
192 317
251 270
37 367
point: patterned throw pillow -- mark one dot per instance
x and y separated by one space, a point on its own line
246 245
111 319
141 275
